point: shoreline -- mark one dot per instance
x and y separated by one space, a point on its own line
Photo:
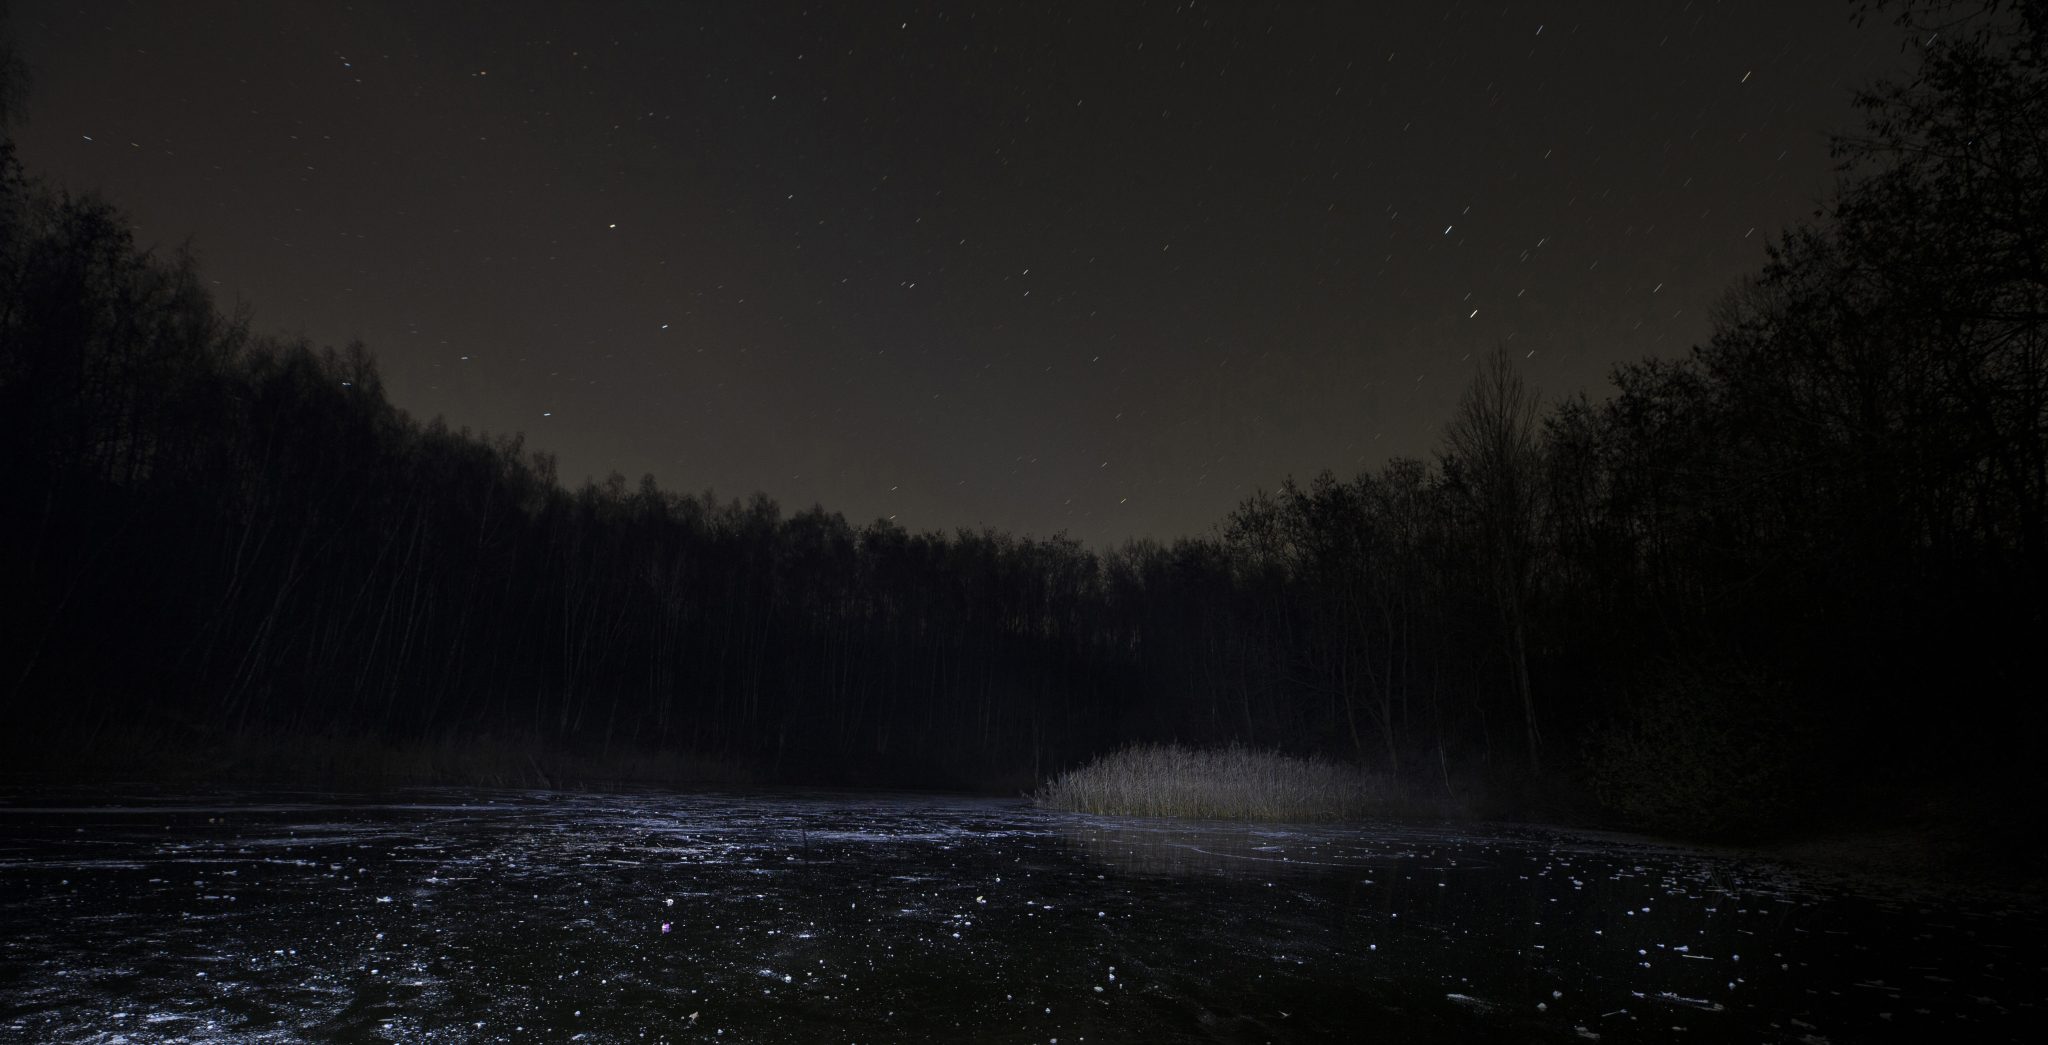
1931 855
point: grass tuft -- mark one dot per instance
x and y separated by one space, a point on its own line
1233 783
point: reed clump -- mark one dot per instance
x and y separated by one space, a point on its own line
1232 783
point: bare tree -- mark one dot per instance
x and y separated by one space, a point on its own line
1493 447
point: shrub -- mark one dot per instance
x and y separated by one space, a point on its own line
1235 783
1716 752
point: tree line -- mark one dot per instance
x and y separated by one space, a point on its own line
1797 567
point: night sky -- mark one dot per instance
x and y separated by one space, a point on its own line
1103 267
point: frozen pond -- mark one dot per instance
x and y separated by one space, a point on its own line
516 916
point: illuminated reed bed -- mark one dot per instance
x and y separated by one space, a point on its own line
1234 783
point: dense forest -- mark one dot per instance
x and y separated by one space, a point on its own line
1795 573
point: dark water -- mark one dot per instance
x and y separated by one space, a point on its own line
495 916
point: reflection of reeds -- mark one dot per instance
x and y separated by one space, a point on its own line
1235 783
1183 848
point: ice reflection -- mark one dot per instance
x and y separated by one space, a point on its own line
1232 850
481 916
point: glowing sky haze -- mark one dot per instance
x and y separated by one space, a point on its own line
1095 267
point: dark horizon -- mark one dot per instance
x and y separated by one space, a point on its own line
1020 268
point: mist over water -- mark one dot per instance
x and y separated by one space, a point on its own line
464 915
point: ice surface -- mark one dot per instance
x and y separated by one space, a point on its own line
519 916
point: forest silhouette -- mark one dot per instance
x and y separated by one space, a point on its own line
1789 579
